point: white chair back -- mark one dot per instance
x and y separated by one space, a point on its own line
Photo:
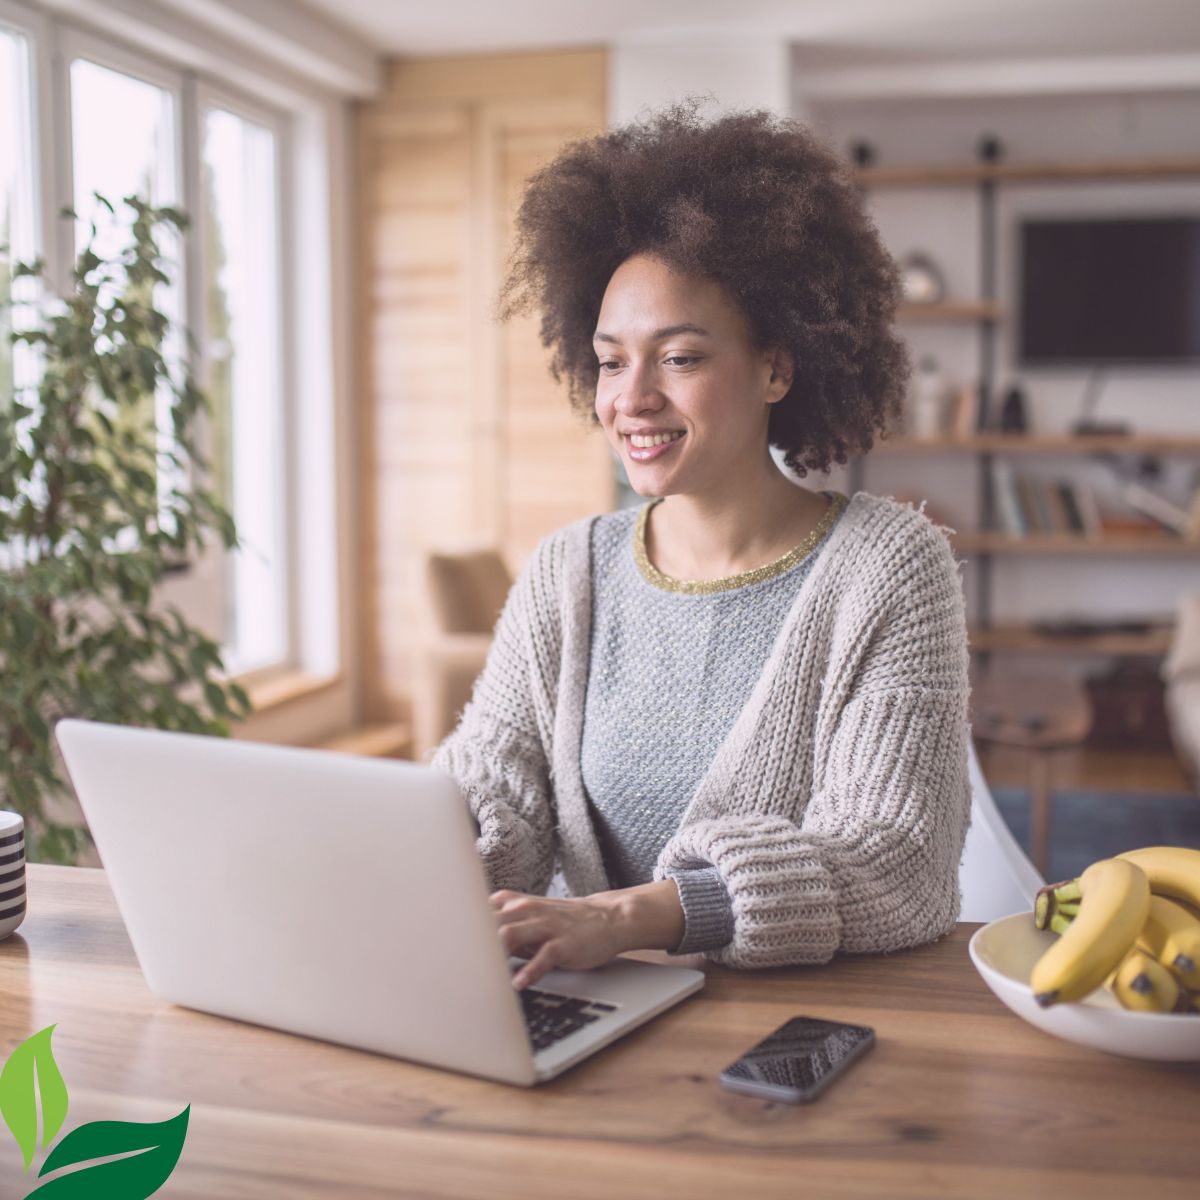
995 876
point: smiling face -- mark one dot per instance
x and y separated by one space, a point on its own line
683 394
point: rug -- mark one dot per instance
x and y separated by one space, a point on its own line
1085 826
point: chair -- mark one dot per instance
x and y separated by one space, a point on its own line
1181 674
995 876
464 593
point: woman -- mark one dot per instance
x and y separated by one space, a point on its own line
735 718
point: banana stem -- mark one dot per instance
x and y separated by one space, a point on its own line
1056 900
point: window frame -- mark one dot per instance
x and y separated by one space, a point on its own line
41 37
319 681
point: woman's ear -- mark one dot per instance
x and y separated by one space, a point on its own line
783 371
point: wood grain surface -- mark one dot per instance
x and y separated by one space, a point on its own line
958 1098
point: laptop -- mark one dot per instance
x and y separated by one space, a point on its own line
333 896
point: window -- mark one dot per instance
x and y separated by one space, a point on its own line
123 144
240 238
17 240
256 155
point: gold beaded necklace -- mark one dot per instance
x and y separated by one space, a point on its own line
697 587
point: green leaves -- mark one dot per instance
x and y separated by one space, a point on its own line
31 1070
158 1145
96 506
152 1147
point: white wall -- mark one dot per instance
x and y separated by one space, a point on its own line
738 73
944 223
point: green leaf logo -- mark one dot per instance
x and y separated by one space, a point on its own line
30 1071
133 1178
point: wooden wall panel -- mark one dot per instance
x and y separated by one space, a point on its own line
465 438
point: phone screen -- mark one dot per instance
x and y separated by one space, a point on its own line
798 1059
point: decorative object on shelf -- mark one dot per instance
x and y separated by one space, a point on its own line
862 152
1087 424
927 399
1158 508
991 148
964 414
1149 508
921 280
1013 417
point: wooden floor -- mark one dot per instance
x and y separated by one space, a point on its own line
1087 769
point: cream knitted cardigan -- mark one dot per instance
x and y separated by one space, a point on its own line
836 808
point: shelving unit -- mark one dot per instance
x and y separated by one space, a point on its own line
987 540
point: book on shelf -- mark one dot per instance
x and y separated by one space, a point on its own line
1070 506
1031 513
1008 509
1027 505
1060 511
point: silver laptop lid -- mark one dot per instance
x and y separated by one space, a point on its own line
325 894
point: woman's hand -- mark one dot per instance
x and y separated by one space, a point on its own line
589 931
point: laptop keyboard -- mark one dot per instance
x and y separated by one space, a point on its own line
551 1016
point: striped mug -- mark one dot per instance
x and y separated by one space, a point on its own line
12 872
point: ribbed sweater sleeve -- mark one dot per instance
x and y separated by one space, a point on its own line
707 909
871 861
497 752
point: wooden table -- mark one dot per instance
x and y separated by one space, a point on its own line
959 1097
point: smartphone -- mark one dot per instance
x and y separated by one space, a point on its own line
799 1060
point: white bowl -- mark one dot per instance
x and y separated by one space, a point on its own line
1004 953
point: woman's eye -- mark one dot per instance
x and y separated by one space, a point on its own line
683 359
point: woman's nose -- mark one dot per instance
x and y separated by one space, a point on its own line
639 391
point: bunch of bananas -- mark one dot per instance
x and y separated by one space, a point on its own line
1130 923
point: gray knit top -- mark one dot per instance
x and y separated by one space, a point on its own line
668 674
835 809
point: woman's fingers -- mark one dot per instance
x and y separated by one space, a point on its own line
546 959
522 935
556 932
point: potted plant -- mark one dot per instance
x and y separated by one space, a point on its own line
97 504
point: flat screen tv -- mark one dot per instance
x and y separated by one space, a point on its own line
1111 291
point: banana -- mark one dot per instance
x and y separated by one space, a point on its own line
1173 871
1114 903
1172 935
1143 984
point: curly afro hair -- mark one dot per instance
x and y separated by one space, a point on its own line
753 202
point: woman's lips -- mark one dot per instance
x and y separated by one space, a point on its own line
649 453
